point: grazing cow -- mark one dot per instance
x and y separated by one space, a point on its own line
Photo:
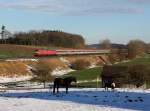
63 82
109 85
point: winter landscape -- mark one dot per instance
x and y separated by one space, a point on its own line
74 55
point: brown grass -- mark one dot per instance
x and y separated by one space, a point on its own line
55 62
12 68
91 59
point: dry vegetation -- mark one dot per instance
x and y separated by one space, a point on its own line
91 59
42 72
17 68
14 68
80 64
55 62
136 48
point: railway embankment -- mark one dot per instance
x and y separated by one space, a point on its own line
59 65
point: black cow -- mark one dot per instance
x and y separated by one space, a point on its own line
109 85
65 82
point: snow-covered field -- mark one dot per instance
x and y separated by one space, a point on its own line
77 100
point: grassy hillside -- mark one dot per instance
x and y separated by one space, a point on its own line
90 74
86 74
14 51
7 51
141 60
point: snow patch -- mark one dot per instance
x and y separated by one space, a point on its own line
59 71
94 80
14 79
65 61
11 60
92 65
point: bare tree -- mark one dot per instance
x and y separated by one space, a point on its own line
148 48
42 72
80 64
106 44
136 47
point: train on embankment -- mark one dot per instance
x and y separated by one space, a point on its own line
43 52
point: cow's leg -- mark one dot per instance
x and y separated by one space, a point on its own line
113 88
54 86
57 88
67 89
106 88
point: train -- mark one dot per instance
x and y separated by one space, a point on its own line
43 52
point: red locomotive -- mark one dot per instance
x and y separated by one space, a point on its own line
44 52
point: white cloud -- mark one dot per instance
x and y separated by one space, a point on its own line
139 1
33 5
73 7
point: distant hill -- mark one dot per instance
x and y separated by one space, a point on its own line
47 38
116 46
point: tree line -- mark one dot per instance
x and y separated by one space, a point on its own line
122 75
132 49
47 38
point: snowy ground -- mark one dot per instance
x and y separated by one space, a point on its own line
77 100
14 79
59 71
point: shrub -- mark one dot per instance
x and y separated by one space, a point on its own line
42 72
80 64
113 58
136 48
118 74
136 74
139 74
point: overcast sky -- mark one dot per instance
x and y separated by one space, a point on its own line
117 20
